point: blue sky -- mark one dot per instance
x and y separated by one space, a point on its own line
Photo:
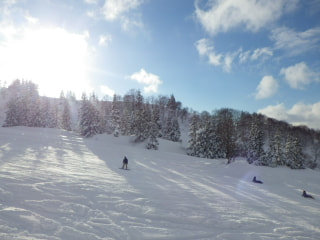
250 55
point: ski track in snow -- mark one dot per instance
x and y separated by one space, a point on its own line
55 185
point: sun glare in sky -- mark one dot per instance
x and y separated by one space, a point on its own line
54 59
256 56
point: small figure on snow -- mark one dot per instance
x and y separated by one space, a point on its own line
304 194
256 181
125 162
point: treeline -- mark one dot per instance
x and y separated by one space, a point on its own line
261 140
225 133
24 107
132 115
146 119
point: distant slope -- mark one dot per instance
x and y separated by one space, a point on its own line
56 185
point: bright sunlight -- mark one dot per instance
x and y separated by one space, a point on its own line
53 58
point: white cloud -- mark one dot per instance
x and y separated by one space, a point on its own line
243 56
86 34
105 40
7 28
277 111
267 87
113 9
9 3
131 23
120 10
205 48
261 52
296 42
91 14
306 114
214 59
31 19
299 114
224 15
228 60
91 1
151 80
107 91
299 75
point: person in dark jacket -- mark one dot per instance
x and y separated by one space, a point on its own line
256 181
304 194
125 162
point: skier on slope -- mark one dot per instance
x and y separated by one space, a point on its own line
304 194
125 162
255 180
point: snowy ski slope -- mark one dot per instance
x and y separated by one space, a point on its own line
56 185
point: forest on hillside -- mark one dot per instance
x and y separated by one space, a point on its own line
224 133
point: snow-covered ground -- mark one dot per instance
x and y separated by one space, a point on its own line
56 185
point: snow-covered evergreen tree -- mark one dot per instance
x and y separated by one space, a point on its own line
193 127
44 111
148 118
64 113
125 123
289 150
156 119
23 105
200 147
225 131
171 129
115 116
140 124
275 154
35 117
293 153
255 149
153 142
52 119
98 110
204 146
243 133
12 114
66 117
89 118
315 150
176 133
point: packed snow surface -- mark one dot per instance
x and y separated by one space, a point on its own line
57 185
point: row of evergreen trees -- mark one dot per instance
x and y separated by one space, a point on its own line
26 108
130 115
225 133
263 141
212 136
281 152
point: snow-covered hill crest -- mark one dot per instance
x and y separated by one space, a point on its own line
56 185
